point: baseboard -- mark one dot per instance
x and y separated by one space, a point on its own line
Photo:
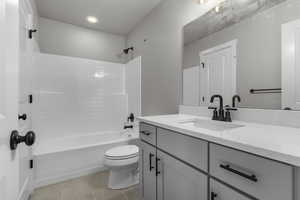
25 191
67 176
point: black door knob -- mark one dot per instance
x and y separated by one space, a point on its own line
23 117
16 139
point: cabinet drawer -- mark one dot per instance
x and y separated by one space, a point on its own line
262 178
188 149
220 191
148 133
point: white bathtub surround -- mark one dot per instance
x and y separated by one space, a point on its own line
79 110
74 96
69 157
280 143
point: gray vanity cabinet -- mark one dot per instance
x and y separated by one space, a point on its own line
178 181
175 166
147 169
219 191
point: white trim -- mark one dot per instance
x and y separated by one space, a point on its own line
140 108
25 190
288 65
232 43
68 176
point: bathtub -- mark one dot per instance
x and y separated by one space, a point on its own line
57 160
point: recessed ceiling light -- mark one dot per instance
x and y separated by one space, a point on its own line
92 19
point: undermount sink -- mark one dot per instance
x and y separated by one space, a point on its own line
211 125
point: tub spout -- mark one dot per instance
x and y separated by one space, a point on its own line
128 127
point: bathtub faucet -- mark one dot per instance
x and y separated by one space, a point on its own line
131 118
128 127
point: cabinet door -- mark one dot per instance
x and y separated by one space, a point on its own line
219 191
147 166
177 181
297 183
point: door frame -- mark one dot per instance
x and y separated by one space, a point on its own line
9 53
233 46
288 65
26 186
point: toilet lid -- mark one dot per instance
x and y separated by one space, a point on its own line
122 152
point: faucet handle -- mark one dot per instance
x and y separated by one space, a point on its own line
228 108
215 115
227 113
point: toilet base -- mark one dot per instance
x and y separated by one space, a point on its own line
123 177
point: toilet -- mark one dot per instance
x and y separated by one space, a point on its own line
123 164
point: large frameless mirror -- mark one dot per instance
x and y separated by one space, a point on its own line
245 47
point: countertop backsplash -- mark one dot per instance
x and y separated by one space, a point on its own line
272 117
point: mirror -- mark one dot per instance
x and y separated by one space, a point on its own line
245 47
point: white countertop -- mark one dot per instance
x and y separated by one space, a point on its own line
275 142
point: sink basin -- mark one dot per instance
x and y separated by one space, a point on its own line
211 125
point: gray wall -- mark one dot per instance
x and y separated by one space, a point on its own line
158 39
69 40
258 53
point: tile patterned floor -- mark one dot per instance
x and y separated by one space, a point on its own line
91 187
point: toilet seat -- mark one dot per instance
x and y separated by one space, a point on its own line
122 152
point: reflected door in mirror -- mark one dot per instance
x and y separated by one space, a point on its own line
218 72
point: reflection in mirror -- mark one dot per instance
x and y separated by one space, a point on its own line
249 48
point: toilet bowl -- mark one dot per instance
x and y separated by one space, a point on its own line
122 162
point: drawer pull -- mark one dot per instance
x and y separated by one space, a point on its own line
242 174
145 133
150 161
157 171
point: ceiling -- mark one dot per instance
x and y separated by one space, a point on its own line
115 16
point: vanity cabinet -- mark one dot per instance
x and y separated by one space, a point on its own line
175 166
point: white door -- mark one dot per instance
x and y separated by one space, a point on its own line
218 73
9 61
191 86
27 48
291 65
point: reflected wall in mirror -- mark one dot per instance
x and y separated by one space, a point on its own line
250 48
